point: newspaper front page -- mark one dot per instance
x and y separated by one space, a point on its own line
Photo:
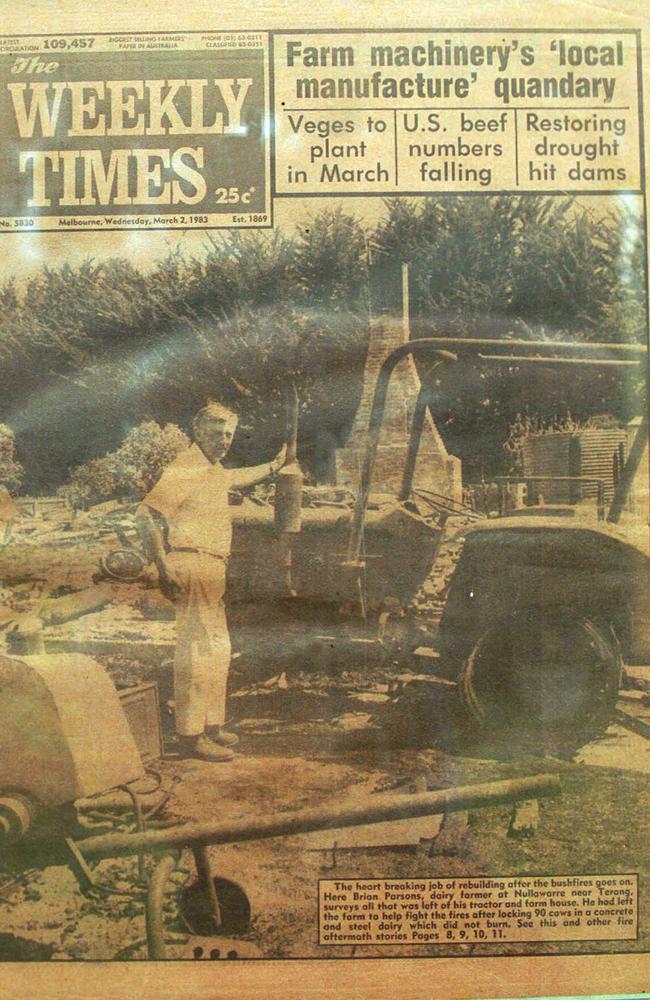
324 553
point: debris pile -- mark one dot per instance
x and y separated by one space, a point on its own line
47 524
429 601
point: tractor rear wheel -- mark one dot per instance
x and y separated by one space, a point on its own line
546 681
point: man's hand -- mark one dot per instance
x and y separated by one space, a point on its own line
252 474
169 584
281 458
154 547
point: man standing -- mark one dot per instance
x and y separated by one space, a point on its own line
186 527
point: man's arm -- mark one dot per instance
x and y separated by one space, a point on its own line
252 474
154 546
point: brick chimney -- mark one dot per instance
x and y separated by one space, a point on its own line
435 468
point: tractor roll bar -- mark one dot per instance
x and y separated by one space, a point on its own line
527 351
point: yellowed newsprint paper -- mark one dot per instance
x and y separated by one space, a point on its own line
324 526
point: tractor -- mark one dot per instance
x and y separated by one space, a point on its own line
541 609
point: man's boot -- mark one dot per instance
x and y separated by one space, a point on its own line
204 748
222 736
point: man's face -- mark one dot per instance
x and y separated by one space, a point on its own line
214 437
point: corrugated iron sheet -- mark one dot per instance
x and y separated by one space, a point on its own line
586 453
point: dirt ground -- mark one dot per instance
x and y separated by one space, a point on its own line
311 739
282 766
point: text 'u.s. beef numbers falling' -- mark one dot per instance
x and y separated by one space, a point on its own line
416 112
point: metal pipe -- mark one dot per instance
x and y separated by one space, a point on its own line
374 809
154 906
470 343
204 872
287 514
417 426
293 408
628 472
406 306
534 359
139 822
600 501
122 802
547 479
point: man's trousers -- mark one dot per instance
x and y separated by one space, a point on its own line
202 656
